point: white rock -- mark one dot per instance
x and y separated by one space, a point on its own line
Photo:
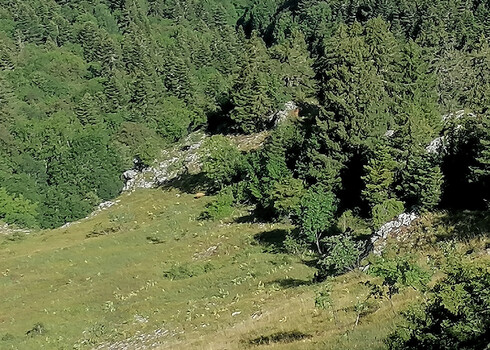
391 228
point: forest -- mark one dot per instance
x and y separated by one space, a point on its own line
393 113
92 88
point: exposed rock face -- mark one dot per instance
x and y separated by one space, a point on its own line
182 158
290 108
439 144
391 229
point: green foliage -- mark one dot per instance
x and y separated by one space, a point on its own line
481 170
341 255
351 224
221 206
222 161
386 211
86 88
323 299
379 178
17 210
455 315
286 195
258 91
422 182
315 216
398 272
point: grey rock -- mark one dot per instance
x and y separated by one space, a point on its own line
391 228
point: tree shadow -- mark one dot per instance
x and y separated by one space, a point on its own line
464 225
251 218
286 283
272 241
279 337
188 183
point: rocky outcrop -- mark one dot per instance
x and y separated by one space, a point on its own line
392 229
290 108
173 162
6 229
439 144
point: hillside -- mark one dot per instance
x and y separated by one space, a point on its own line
244 174
147 274
202 284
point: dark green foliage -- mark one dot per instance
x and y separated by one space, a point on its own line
455 316
422 182
341 255
349 223
379 178
90 89
222 161
481 170
87 87
221 206
386 211
258 91
398 272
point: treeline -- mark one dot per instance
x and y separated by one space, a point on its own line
91 88
394 118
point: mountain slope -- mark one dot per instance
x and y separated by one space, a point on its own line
202 284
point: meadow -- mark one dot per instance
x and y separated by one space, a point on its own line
147 273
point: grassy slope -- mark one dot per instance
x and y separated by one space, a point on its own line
103 289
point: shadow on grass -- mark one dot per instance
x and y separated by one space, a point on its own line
291 283
279 337
464 225
188 183
272 241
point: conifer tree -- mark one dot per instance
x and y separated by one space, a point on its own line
379 177
258 90
421 183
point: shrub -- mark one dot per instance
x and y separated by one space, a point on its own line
222 161
220 207
455 315
386 211
397 273
342 255
17 210
315 216
173 119
323 299
349 223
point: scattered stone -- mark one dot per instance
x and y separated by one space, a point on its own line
6 229
391 229
207 253
140 341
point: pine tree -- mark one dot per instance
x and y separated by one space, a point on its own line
86 111
380 176
481 172
421 183
257 91
296 67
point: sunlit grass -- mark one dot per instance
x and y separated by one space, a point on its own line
151 268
